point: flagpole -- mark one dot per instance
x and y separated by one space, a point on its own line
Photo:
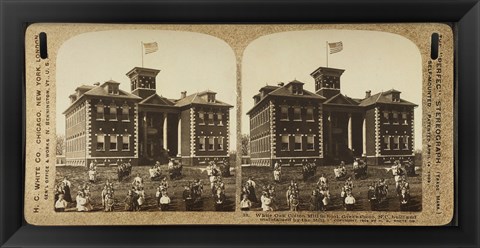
141 44
326 51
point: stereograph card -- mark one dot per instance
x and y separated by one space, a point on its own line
309 124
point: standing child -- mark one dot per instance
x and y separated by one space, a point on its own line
164 201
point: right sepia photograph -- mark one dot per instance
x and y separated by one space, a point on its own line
331 121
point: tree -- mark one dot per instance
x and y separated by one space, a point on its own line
418 157
245 145
60 149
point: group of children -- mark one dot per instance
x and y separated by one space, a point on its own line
402 187
377 193
63 196
320 197
309 170
162 199
174 169
340 171
155 172
123 169
267 199
108 196
192 194
135 198
348 200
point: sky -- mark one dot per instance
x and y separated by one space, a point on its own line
187 61
376 61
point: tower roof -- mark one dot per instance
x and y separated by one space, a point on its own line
327 71
143 70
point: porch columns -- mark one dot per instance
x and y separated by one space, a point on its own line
350 131
364 136
145 135
179 138
165 122
330 135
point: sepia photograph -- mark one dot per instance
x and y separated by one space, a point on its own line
332 122
144 120
310 124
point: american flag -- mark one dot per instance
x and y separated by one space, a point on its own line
150 47
335 47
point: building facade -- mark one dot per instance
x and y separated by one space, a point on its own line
106 124
285 126
204 128
101 126
389 130
291 125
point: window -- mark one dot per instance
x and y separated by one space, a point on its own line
386 141
298 142
309 114
396 142
310 144
211 146
112 89
220 143
395 118
297 116
220 119
297 90
125 113
113 112
125 142
285 143
395 97
211 97
210 119
201 144
404 119
100 112
386 115
201 118
405 142
113 142
284 114
100 142
265 144
260 144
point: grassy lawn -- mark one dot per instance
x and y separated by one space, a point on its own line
78 176
264 175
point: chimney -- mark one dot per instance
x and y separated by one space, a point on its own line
368 93
183 94
97 84
73 98
281 84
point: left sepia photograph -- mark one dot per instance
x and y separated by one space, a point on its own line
144 122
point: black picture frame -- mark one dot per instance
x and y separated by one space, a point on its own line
464 16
